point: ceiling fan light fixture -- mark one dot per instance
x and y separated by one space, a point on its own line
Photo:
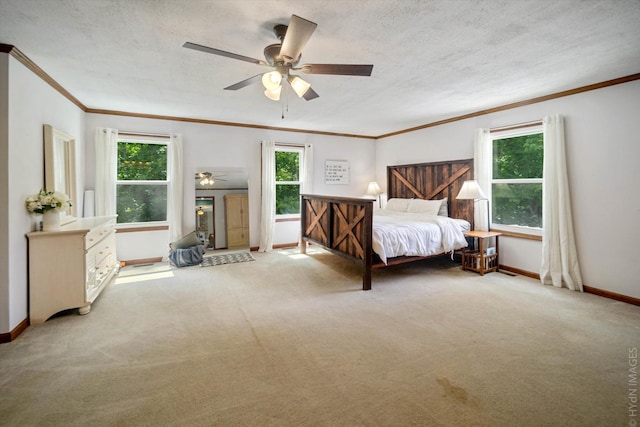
274 94
207 181
299 86
272 80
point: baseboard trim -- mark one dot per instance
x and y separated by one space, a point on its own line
278 246
10 336
285 245
611 295
520 272
141 261
587 289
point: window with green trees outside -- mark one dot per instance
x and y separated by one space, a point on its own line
516 186
141 187
288 181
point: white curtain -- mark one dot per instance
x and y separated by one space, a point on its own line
174 192
106 171
482 172
307 176
307 170
559 255
268 205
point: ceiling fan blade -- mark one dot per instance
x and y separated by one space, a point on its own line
244 83
338 69
214 51
297 36
310 94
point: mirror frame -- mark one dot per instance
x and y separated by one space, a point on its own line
61 165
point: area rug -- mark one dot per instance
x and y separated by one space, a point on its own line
209 261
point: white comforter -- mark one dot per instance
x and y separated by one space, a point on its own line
410 234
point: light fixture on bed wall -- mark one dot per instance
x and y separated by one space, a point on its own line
471 191
373 189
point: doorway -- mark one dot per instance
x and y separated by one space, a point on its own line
205 224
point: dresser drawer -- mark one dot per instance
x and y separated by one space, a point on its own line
104 247
96 234
100 264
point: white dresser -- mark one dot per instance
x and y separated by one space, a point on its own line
70 267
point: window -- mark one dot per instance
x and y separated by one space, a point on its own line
516 180
142 184
288 180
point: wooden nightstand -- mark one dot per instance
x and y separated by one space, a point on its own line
478 260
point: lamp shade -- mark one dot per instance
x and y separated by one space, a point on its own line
373 189
471 191
299 86
271 80
273 94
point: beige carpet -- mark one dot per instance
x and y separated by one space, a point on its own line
290 340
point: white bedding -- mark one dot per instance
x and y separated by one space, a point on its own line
416 234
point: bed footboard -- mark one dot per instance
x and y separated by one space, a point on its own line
342 225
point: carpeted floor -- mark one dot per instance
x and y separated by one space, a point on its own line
291 340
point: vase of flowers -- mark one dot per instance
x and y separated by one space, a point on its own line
49 204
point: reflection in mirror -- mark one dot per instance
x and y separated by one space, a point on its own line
221 208
60 167
205 225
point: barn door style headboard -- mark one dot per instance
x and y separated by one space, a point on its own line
433 181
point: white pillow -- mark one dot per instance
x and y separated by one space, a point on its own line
444 208
429 207
397 205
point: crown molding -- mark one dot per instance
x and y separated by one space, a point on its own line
16 53
221 123
518 104
24 59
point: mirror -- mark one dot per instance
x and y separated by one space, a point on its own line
222 208
60 167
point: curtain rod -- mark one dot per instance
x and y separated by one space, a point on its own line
516 126
292 144
132 133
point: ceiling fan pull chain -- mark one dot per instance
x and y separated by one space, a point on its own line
285 99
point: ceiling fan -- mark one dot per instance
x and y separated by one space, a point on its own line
207 178
283 57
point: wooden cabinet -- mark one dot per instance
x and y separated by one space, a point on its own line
236 208
70 267
481 259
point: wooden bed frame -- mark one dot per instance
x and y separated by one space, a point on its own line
344 225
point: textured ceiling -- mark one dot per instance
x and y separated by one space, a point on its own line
432 59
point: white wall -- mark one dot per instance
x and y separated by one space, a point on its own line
603 147
218 146
31 104
5 312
